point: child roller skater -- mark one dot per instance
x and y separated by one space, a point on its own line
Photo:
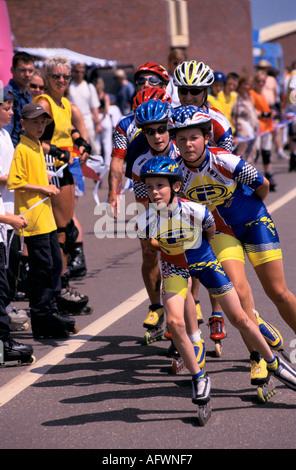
28 178
175 227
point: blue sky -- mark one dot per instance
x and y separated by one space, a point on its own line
268 12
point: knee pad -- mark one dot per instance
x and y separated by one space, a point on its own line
266 156
71 232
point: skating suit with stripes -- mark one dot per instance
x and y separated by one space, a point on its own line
221 130
184 252
226 183
140 189
128 142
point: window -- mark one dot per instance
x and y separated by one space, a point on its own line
178 21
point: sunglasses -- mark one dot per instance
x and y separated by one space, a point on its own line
153 81
57 76
32 85
159 130
192 91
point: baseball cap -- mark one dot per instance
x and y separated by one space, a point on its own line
33 110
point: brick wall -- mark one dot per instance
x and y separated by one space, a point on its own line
134 31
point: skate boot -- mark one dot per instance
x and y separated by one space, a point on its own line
272 336
18 318
283 372
199 316
259 372
200 352
201 388
217 332
260 377
13 353
76 262
52 326
155 322
71 302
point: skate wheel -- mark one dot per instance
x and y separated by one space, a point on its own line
218 348
32 360
204 413
177 365
265 392
147 338
76 329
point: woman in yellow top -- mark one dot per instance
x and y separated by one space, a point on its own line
62 143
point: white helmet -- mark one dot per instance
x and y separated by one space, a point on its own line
193 73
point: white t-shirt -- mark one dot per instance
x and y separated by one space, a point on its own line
85 97
6 155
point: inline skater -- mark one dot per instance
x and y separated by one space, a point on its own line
128 144
174 226
152 118
193 80
215 177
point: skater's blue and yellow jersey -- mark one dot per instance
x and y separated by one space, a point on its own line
225 183
184 252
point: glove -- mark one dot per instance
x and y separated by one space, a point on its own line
61 155
80 142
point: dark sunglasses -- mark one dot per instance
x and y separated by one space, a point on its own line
153 81
192 91
57 76
159 130
32 85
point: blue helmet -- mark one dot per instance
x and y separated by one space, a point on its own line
190 116
219 77
161 166
151 112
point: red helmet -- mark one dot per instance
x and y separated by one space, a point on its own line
152 67
150 94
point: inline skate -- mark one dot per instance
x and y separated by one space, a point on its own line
217 332
201 388
156 325
15 354
52 326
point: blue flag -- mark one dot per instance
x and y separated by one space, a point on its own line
76 171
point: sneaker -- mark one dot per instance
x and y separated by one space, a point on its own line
18 318
282 155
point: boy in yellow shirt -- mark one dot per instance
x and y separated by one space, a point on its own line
28 178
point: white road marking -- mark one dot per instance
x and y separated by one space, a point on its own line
32 373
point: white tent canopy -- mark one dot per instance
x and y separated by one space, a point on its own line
74 57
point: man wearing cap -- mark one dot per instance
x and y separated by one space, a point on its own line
22 70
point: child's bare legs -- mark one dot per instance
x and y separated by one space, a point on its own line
272 278
174 306
231 306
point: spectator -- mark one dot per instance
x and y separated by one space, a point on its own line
22 70
175 58
245 120
85 97
105 137
266 126
125 91
37 84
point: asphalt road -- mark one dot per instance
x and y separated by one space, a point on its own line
104 389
